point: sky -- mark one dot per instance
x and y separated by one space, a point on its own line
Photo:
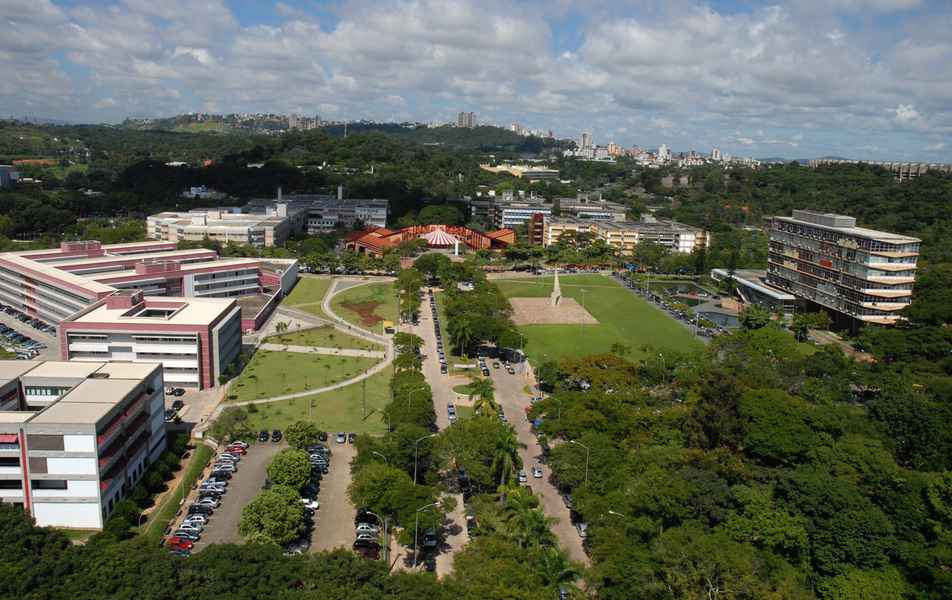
865 79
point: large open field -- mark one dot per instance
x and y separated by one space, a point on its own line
308 294
278 373
339 410
622 317
367 305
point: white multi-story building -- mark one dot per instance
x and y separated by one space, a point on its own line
326 214
195 339
75 437
862 274
625 235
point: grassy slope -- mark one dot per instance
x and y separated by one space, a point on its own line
382 293
326 337
340 410
308 294
161 516
622 316
279 373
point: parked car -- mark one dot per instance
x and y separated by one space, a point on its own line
263 436
351 437
203 519
582 529
276 436
522 477
430 539
220 476
178 405
312 504
209 501
196 527
341 437
322 436
537 471
187 535
239 443
366 528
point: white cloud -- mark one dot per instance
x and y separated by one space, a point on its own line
935 147
681 72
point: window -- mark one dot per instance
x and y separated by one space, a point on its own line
48 484
37 464
9 461
11 484
44 442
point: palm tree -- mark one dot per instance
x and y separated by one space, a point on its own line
281 326
482 396
506 455
554 567
461 332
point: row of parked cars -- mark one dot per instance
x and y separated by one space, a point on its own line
320 457
669 307
25 347
210 493
31 321
444 368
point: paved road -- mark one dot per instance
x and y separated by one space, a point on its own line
334 524
511 396
455 533
244 485
324 350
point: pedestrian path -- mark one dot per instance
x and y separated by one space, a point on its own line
324 350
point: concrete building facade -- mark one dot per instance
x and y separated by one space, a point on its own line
859 273
625 235
195 339
69 458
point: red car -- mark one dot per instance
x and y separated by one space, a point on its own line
236 450
177 543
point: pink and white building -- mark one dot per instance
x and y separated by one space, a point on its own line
75 437
72 284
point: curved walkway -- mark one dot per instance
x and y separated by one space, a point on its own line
343 326
324 350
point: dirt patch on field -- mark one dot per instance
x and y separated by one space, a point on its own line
538 311
367 311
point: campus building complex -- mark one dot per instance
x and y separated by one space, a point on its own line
261 230
826 259
75 437
73 285
625 235
195 339
376 241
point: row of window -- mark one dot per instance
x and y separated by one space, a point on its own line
34 390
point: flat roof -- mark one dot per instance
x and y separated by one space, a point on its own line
194 266
128 370
883 236
189 311
86 403
12 369
164 254
64 369
57 274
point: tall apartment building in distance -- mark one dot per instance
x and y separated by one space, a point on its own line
466 119
862 274
75 437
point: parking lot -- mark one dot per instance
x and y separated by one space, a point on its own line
244 485
50 340
334 521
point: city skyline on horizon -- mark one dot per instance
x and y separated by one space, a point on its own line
862 79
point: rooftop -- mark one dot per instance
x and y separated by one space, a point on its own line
86 403
845 224
62 369
159 310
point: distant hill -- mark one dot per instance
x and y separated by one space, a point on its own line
486 137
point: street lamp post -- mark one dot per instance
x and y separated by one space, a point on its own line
587 452
413 391
416 454
387 460
664 368
416 532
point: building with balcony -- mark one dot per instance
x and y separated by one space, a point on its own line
860 275
261 230
75 437
195 339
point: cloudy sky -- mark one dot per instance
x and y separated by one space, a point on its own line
856 78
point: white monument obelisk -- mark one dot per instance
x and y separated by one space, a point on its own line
556 296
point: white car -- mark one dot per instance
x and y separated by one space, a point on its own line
366 528
522 477
312 504
224 466
196 519
537 471
191 526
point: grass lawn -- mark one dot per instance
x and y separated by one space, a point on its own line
77 536
462 388
622 317
325 337
277 373
308 294
463 412
339 410
160 518
367 305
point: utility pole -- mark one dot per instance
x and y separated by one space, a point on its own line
363 385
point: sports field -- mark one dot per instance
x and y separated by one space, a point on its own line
622 318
